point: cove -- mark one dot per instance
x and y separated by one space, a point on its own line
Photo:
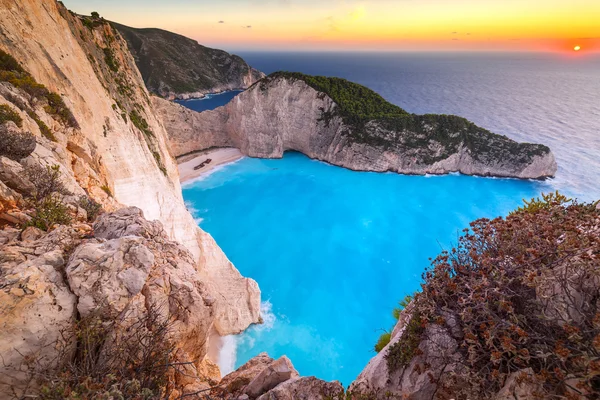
210 101
334 250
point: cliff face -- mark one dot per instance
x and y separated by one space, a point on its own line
108 144
176 67
285 113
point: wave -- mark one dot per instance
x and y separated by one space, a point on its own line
229 344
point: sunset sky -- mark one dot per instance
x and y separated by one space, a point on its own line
523 25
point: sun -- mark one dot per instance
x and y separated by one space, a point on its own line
577 48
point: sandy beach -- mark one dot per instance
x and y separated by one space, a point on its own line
220 156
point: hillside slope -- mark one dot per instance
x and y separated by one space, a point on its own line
174 66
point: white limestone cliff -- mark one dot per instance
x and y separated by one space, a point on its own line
117 152
280 114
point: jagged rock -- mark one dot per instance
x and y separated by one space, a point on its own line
14 176
236 299
306 388
127 221
8 198
233 384
412 381
35 301
275 373
15 143
15 217
106 276
31 234
209 371
8 235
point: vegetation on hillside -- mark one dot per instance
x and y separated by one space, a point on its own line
355 101
47 198
12 72
8 114
129 359
517 292
358 106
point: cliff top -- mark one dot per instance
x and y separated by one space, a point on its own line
375 121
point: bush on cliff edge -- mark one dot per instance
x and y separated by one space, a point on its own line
522 293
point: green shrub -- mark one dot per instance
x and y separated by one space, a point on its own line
140 123
48 212
402 352
383 341
401 306
46 132
91 207
8 114
57 107
110 59
46 200
8 63
95 15
13 73
106 190
16 144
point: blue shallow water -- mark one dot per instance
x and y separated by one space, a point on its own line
334 250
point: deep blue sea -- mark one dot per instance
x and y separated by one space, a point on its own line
334 250
210 101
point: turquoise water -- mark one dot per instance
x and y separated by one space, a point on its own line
334 250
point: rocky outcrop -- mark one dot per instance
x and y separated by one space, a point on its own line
306 388
412 381
80 104
267 379
36 304
176 67
116 270
284 112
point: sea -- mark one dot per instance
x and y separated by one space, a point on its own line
334 250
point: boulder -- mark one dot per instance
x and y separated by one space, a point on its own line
31 234
275 373
306 388
106 276
13 175
233 384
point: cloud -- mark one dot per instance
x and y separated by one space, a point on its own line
454 33
221 22
247 27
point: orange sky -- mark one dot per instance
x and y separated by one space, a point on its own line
525 25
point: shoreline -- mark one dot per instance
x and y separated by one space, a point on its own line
218 156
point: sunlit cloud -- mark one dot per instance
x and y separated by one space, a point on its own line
540 25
